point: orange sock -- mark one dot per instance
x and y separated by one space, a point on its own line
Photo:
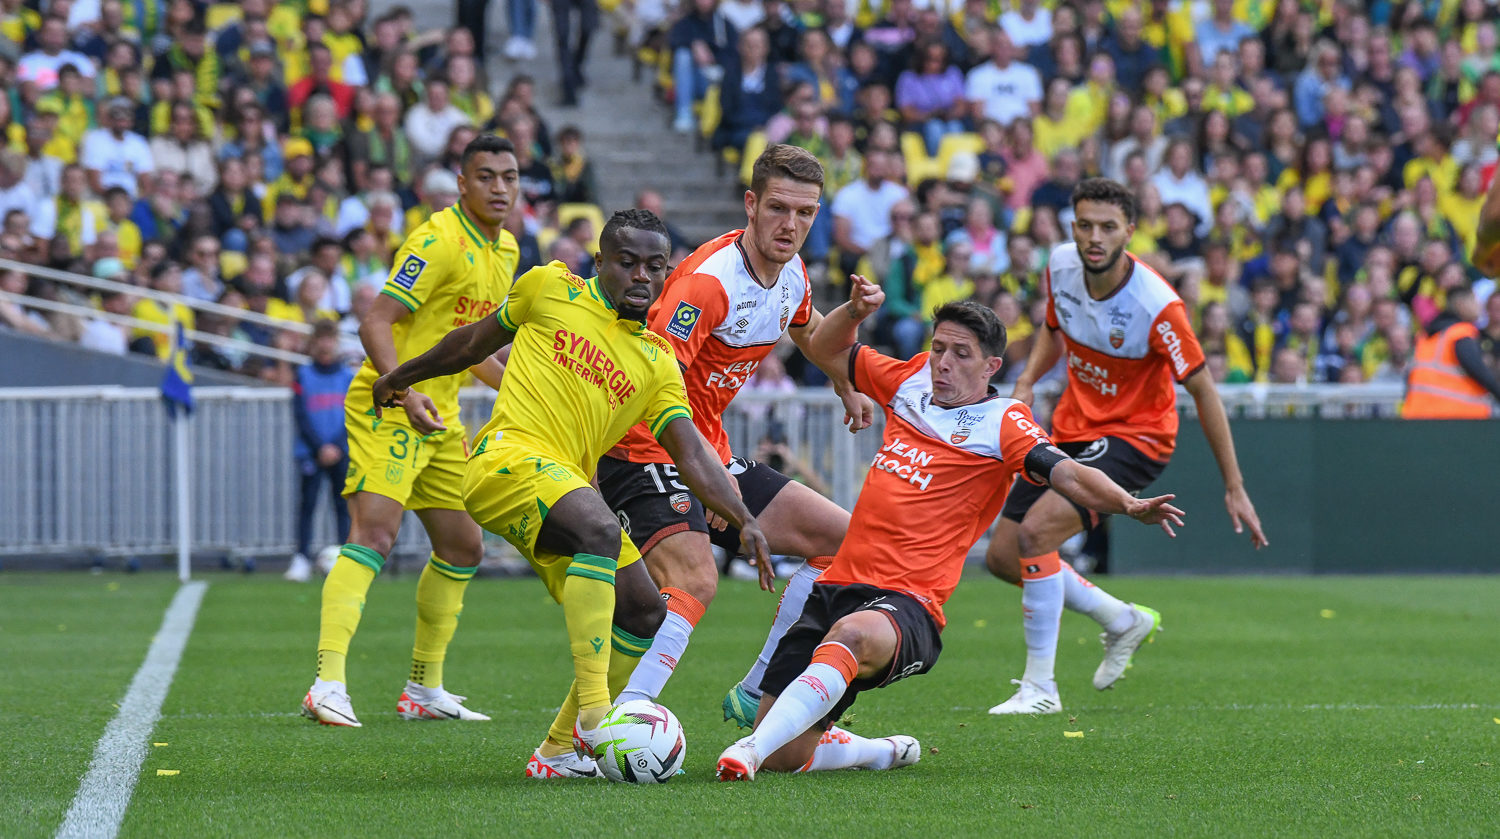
1041 567
837 656
681 603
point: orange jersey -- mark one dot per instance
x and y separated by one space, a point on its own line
937 483
1125 354
721 323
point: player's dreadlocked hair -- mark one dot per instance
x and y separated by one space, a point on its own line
491 143
632 220
980 320
1106 191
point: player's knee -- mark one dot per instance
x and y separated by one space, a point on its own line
598 535
381 540
858 633
1000 559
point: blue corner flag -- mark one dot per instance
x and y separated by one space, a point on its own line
177 384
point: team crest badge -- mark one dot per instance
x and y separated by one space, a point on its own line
959 436
1117 337
681 502
785 317
393 473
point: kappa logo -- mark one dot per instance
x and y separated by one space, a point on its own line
681 502
683 320
410 271
1117 337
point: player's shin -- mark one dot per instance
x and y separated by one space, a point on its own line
1080 595
793 598
1042 605
588 603
440 601
560 735
667 648
625 656
344 593
839 749
809 698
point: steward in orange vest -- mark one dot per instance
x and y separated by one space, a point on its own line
1449 379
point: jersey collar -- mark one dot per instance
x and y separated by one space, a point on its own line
471 228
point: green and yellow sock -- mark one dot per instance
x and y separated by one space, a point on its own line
440 601
343 602
627 650
588 603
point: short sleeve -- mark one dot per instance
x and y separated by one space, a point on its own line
516 308
879 376
803 315
1052 322
1019 434
669 401
419 267
1172 337
689 310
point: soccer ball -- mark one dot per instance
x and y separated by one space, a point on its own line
643 743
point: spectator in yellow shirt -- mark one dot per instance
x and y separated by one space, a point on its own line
118 204
954 283
167 278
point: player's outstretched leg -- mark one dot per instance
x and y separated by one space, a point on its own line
1126 625
458 546
682 564
742 701
1042 605
344 590
840 749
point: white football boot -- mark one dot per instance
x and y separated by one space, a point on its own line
299 569
738 762
328 703
906 749
1118 649
561 768
420 703
1031 698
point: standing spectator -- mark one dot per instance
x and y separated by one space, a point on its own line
114 155
429 122
471 16
1003 89
930 95
573 24
521 15
862 210
702 44
322 445
41 67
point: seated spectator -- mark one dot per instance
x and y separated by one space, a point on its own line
536 183
930 95
703 44
16 316
184 150
1178 182
429 122
862 211
572 171
1003 89
360 264
1026 167
108 336
41 66
750 93
833 85
323 261
167 278
114 155
987 252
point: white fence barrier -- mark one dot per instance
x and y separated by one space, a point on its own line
88 471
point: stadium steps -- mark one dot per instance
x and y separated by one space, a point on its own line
627 133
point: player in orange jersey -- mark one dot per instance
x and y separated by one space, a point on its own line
1128 344
952 446
723 310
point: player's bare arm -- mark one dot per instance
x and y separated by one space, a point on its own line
1094 489
460 349
826 342
1215 424
1045 351
489 371
1486 256
380 347
701 470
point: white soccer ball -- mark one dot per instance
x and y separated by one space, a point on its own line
642 743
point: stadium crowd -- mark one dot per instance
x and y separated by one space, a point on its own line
266 155
1309 174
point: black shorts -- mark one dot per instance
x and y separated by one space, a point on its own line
653 503
918 643
1125 464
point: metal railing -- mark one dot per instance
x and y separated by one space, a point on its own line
88 471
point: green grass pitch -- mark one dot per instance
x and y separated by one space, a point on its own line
1267 707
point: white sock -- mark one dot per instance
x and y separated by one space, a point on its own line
1042 605
1080 595
838 749
808 699
656 666
793 598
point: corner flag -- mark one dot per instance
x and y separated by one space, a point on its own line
177 384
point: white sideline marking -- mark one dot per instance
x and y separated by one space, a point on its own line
105 791
1334 706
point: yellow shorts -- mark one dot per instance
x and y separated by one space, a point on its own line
509 489
389 458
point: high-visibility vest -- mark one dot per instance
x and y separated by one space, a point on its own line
1437 387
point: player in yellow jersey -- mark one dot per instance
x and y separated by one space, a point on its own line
583 369
453 270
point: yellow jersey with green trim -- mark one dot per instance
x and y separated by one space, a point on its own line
579 376
447 275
